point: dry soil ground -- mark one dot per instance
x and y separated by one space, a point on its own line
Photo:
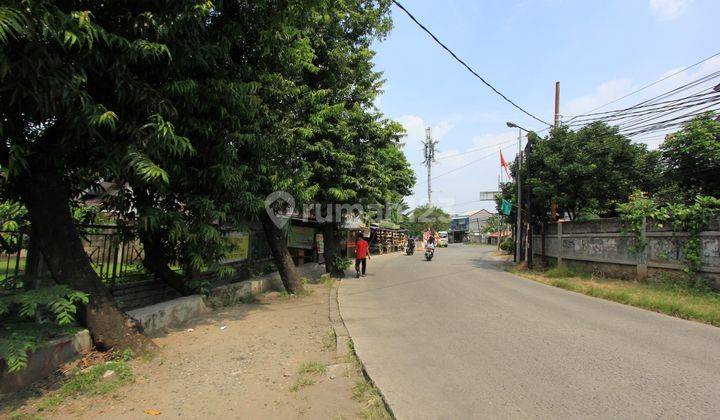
249 369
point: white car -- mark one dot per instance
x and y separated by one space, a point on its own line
443 239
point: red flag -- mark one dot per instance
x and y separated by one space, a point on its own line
505 165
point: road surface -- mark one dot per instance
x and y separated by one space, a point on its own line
459 338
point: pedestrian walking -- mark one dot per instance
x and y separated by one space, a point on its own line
362 254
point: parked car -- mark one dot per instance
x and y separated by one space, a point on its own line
443 242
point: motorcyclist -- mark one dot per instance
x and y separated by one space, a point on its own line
430 245
410 246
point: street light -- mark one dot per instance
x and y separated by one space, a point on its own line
518 218
513 125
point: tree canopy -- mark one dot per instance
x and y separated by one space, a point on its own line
196 111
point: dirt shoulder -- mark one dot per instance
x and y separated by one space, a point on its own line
274 358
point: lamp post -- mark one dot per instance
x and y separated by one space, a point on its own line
518 227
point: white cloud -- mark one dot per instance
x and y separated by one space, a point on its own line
604 93
617 88
415 134
666 10
613 89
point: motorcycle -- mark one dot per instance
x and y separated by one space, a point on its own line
429 252
410 249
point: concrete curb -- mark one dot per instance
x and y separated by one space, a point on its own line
45 360
171 314
344 345
342 337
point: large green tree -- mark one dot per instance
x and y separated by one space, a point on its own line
585 172
692 160
74 94
426 217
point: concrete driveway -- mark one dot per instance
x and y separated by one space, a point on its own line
459 338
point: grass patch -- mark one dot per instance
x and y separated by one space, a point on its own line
366 393
327 280
329 340
301 382
16 415
90 382
231 298
373 405
314 368
565 271
352 356
667 297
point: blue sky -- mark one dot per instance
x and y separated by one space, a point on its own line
599 50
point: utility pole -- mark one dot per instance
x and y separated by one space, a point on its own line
557 104
429 144
518 177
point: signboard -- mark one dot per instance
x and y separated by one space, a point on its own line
301 237
506 207
240 246
489 195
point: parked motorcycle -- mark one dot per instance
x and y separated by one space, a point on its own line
410 249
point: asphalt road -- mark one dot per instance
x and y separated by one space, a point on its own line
459 338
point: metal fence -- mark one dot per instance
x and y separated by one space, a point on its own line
115 255
13 253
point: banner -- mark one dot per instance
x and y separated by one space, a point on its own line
240 246
506 207
301 237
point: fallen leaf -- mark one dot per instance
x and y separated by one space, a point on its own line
152 412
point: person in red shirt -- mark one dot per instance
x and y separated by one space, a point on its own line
362 254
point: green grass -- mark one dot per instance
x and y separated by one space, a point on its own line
89 382
366 393
669 297
352 356
314 368
301 382
373 405
329 340
565 271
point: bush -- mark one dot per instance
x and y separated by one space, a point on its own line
343 263
508 245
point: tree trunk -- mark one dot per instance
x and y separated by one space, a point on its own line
53 230
278 247
331 243
157 262
36 272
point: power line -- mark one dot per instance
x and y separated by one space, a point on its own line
672 122
642 120
466 152
397 3
650 84
474 161
469 163
648 108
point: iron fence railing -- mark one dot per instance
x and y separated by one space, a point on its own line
13 253
115 254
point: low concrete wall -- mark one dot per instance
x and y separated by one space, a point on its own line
171 314
44 361
265 283
604 246
178 312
